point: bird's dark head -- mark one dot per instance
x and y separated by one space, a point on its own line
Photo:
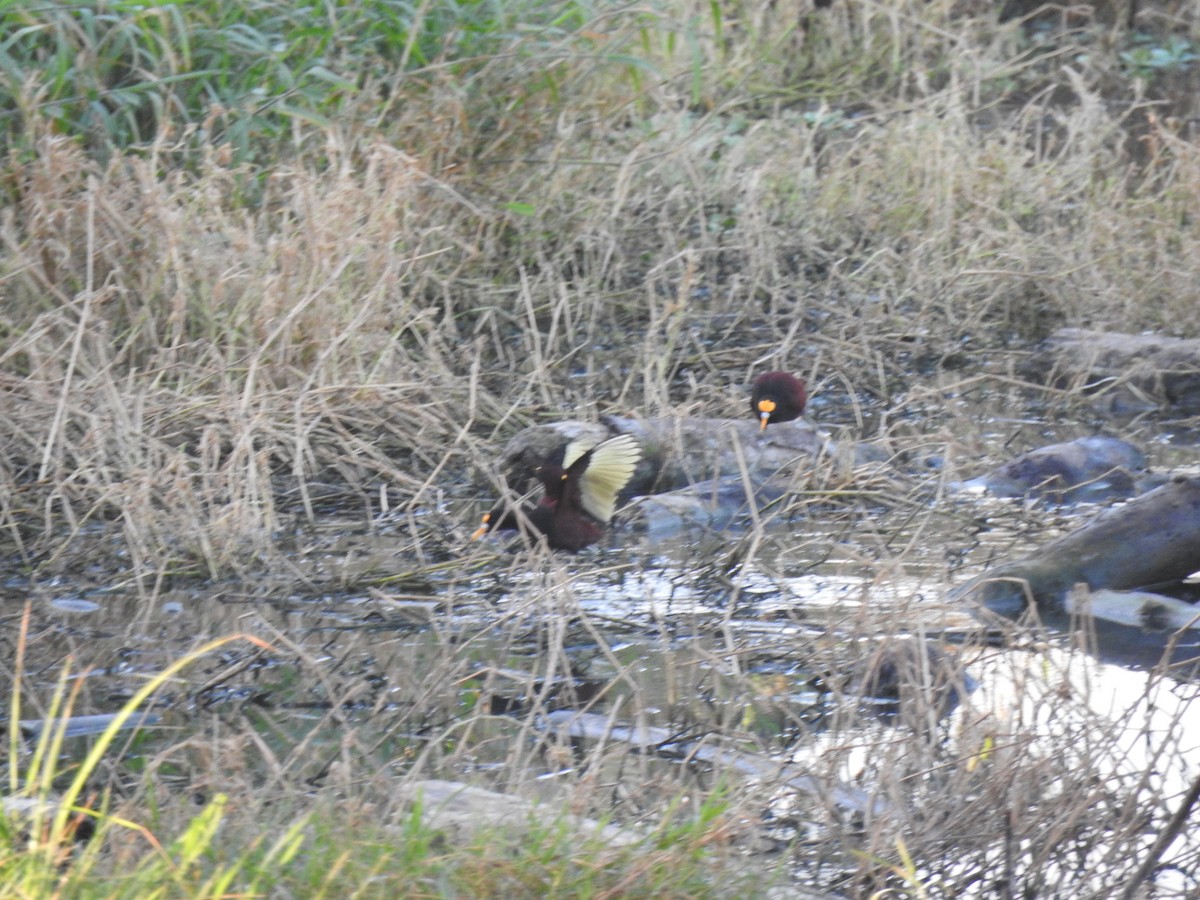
777 397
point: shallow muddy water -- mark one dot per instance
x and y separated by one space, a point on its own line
448 657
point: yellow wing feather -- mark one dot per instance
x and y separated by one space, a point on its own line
574 450
609 470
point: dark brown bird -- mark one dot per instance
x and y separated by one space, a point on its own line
581 482
777 397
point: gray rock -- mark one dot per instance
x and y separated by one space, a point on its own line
1089 468
464 809
676 452
1130 371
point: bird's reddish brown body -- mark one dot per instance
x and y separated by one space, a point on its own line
579 495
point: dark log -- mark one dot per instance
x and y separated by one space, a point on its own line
1095 577
1150 543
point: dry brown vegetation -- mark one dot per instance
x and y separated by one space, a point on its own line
268 397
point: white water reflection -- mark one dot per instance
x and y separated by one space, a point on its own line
1063 709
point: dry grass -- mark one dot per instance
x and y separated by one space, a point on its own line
215 376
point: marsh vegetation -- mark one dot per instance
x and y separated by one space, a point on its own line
279 281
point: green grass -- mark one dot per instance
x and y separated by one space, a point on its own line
253 845
242 75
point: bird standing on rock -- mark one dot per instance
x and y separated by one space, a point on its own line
581 482
777 397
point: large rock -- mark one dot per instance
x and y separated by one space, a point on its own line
464 809
677 452
1130 370
1090 468
715 504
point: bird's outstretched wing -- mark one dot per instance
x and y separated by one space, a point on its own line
602 471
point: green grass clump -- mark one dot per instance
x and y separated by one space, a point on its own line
57 821
70 828
242 74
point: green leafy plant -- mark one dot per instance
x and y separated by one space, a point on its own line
121 73
1149 57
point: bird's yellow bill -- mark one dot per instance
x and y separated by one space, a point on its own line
765 408
483 528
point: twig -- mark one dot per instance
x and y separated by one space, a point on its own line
1168 835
